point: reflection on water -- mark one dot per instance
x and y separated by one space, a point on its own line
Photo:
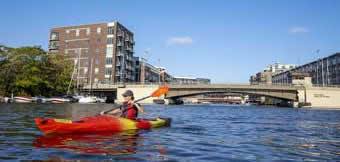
198 133
103 143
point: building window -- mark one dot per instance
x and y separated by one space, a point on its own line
97 61
108 60
54 36
97 50
86 62
87 42
96 80
77 43
88 31
67 44
98 40
96 70
109 51
66 52
99 30
86 51
77 32
85 70
109 40
108 71
110 30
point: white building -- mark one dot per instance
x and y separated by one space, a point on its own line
278 67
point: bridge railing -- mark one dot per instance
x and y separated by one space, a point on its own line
326 86
117 85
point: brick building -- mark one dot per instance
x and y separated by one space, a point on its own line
101 52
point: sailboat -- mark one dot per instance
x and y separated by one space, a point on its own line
89 99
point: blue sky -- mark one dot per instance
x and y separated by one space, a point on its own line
226 41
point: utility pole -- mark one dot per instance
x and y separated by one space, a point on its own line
327 73
317 68
322 74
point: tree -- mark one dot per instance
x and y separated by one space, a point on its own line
31 71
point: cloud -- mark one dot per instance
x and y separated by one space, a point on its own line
179 40
298 30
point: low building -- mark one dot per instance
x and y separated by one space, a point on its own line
265 77
261 78
147 73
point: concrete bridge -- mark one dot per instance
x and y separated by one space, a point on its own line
303 95
280 92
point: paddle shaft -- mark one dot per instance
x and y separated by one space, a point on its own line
141 99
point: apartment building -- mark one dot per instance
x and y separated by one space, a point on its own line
324 72
101 52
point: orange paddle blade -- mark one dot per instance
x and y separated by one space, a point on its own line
160 91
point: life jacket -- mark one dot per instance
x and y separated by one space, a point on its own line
129 111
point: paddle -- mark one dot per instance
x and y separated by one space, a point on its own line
159 92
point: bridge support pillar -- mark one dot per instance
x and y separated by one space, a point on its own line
174 101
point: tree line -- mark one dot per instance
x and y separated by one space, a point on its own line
31 71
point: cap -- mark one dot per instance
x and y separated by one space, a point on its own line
127 93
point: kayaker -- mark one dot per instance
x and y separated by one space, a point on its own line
129 109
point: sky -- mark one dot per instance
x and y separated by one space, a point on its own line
226 41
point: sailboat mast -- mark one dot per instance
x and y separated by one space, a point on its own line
91 75
78 70
74 70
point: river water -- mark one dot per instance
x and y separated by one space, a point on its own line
198 133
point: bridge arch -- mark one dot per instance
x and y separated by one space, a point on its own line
283 95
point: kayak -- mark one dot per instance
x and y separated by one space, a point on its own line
99 123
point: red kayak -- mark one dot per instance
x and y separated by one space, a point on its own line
100 123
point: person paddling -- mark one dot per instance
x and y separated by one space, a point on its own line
129 109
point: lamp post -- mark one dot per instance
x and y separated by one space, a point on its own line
160 70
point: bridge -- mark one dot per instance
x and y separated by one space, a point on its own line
287 92
314 96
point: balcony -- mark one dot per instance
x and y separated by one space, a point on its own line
119 43
119 54
54 36
127 39
119 34
127 48
118 63
53 45
128 58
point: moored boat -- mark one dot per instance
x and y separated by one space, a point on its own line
22 99
88 99
59 100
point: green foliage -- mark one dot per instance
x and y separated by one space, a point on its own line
30 71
